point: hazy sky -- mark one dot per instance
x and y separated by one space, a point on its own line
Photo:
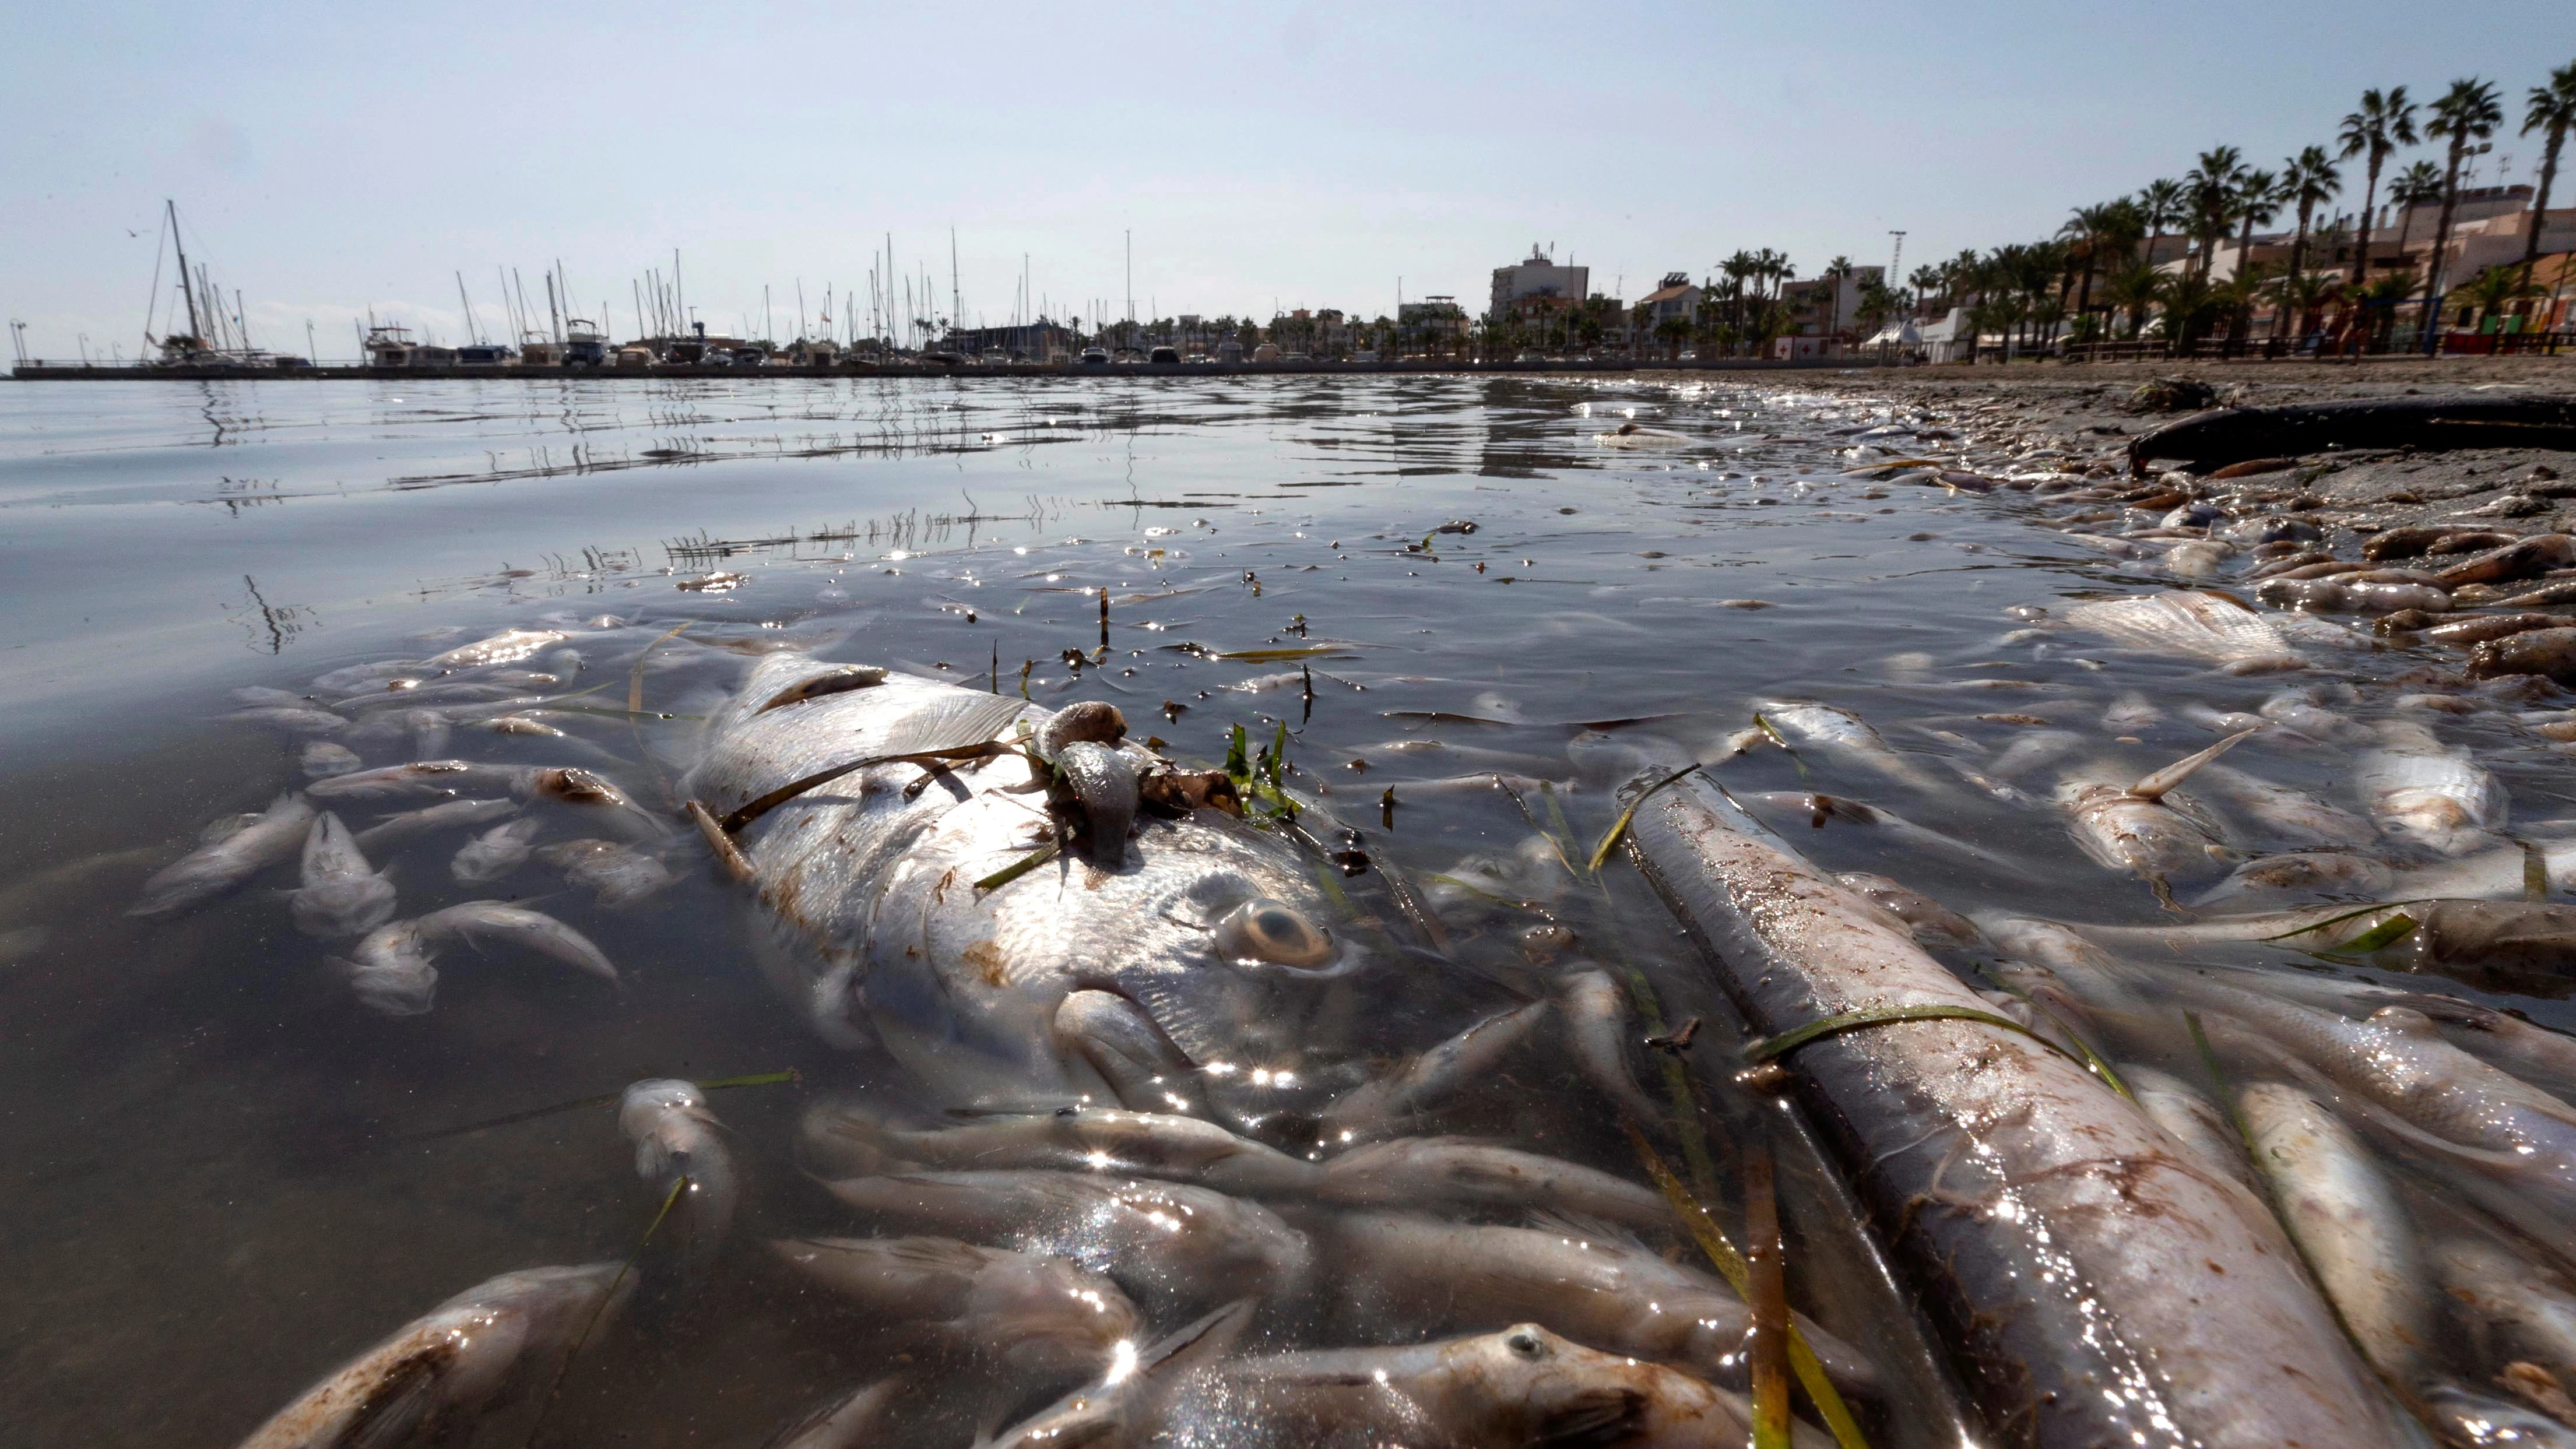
331 158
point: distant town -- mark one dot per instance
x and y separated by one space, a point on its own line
2197 266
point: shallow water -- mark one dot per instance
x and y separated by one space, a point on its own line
227 1175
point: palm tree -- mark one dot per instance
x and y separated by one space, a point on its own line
2309 180
2304 295
2494 289
2384 123
1835 271
2551 109
2133 289
2418 185
2160 206
2468 111
2212 188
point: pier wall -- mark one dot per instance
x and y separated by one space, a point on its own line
76 372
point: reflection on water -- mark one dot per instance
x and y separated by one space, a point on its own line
233 1175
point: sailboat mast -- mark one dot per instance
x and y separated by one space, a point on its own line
187 287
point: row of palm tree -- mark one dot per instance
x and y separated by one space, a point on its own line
2118 244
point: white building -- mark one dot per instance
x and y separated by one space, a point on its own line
1537 285
1673 297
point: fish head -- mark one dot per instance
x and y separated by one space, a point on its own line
1530 1384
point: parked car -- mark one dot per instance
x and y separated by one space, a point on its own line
1095 357
1162 355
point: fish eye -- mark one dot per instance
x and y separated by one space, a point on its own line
1268 930
1523 1342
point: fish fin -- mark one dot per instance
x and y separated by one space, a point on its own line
2154 786
398 1407
1592 1419
1209 1338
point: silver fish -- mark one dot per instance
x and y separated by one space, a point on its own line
508 646
1840 735
2296 711
2032 751
2422 791
1205 951
1522 1386
1402 1273
496 852
321 759
677 1138
617 876
396 831
1931 922
391 969
2323 873
2521 1313
2194 1120
1039 1315
2349 1224
1389 1104
2202 625
301 719
2132 828
1816 810
2292 817
2162 1280
342 895
850 1138
1462 1172
2130 713
223 865
1164 1242
443 1371
1596 1016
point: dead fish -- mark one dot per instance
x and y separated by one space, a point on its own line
506 647
2428 794
354 678
2132 828
2550 653
2348 1222
1463 1172
1522 1386
1816 810
2295 710
617 876
677 1138
341 895
851 1138
2195 1121
2289 816
437 1376
1036 1314
321 759
211 870
496 852
1596 1018
1165 1242
1407 1274
1932 923
396 831
1386 1104
2130 713
2332 874
2032 751
391 969
1839 734
295 719
2515 1308
2200 625
430 779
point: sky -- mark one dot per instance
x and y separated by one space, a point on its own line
332 162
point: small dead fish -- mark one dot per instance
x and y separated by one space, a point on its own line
1164 1242
429 779
2421 791
213 869
2331 874
2196 1122
617 876
2033 751
2348 1222
507 647
2291 817
1464 1172
444 1369
2293 710
2522 1314
2130 713
676 1137
321 759
1839 733
391 969
295 719
1521 1386
851 1138
496 852
396 831
1817 809
1037 1314
2133 829
1596 1017
1380 1107
341 895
